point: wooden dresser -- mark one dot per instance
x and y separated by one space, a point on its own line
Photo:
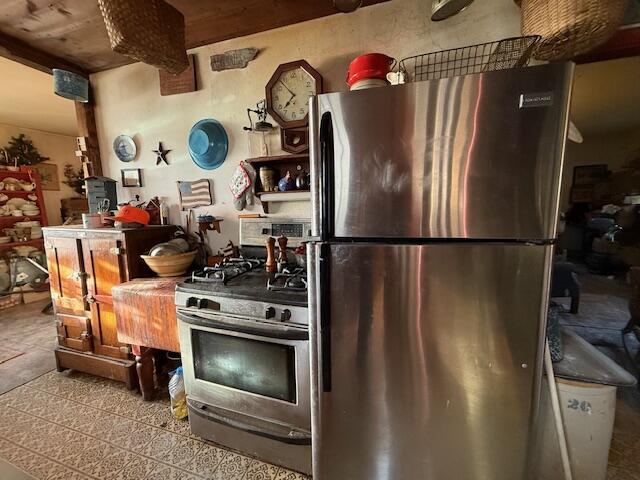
84 264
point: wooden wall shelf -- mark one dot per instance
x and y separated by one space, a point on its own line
299 157
281 163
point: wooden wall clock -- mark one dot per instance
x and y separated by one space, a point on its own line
294 140
288 93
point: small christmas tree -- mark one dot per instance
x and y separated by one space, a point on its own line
22 149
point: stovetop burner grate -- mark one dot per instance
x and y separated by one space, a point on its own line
288 281
226 271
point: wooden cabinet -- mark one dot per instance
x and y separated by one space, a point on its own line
84 265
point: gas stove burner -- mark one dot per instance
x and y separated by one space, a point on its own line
226 270
288 281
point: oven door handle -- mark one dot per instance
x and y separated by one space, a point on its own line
257 329
286 435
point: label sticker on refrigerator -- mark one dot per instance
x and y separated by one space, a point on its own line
540 99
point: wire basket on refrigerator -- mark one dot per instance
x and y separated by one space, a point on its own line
485 57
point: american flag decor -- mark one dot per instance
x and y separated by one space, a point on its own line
195 194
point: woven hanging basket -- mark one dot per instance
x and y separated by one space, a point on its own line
570 27
151 31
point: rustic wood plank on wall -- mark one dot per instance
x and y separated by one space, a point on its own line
184 82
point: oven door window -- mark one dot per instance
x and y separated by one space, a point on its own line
254 366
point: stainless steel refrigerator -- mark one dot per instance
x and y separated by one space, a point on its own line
434 213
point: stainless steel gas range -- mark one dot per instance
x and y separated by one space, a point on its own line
244 340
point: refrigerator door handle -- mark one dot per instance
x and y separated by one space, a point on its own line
314 167
324 289
327 179
321 166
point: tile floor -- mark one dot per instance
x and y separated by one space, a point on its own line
75 426
25 329
72 426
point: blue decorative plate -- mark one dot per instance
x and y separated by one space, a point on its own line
208 144
125 148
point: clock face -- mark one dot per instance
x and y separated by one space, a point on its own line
290 94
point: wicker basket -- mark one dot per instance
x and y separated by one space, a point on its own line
151 31
570 27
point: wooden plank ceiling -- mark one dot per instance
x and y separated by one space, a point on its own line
71 33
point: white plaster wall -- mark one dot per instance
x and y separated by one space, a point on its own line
61 150
129 101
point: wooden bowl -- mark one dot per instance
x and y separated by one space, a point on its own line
170 265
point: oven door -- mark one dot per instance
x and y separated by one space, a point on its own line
258 369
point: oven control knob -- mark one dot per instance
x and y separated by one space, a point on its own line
270 313
192 302
285 316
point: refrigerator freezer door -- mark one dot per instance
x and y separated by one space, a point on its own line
427 360
477 156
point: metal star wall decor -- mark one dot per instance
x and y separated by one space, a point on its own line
162 154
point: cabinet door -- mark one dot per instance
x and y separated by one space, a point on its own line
74 332
66 275
105 268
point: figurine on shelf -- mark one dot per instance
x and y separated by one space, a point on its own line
286 183
153 209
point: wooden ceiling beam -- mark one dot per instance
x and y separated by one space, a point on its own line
625 43
21 52
212 21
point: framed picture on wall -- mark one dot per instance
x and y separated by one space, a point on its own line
589 174
581 194
48 175
131 177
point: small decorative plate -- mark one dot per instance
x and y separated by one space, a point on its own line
125 148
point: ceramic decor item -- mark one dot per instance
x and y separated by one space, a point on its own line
125 148
287 182
208 144
268 179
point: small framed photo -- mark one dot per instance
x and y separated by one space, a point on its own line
131 177
589 174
